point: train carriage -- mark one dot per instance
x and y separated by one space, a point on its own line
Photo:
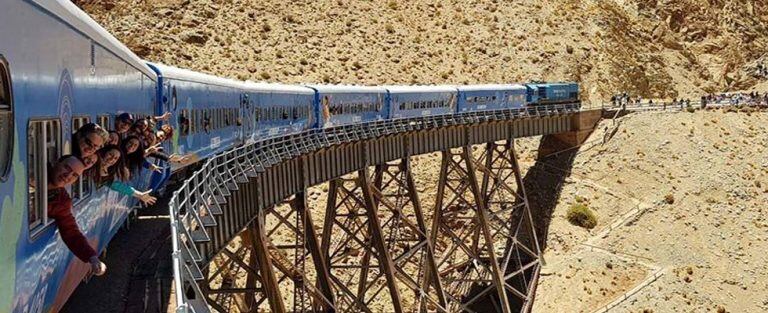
490 97
343 105
59 70
277 109
206 111
414 101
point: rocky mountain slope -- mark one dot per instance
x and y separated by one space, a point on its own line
654 48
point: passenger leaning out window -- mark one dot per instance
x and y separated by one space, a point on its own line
60 175
89 139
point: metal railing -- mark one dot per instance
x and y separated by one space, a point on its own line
678 106
195 204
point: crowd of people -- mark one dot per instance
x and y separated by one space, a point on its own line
111 158
753 98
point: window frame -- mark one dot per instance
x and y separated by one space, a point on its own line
79 186
103 120
6 84
41 187
184 113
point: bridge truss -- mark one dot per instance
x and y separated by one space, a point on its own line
246 239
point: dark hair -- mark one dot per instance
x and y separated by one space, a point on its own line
118 136
124 117
167 130
117 170
133 161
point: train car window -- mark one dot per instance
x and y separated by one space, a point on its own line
43 148
174 98
216 118
81 189
6 120
211 118
103 121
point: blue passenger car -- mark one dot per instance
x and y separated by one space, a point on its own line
553 93
277 110
206 110
343 105
490 97
58 70
414 101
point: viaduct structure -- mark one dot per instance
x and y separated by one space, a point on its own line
245 238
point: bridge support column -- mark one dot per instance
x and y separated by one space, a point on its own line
261 249
353 245
464 241
292 242
406 236
509 213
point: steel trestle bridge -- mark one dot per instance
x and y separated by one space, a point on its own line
244 238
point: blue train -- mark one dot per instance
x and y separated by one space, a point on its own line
59 70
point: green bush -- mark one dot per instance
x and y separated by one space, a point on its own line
580 215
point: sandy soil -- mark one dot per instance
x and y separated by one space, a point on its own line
650 48
708 244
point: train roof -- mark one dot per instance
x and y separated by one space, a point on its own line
79 20
414 89
192 76
553 84
489 87
277 88
347 89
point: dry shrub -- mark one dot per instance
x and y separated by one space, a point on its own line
669 198
580 215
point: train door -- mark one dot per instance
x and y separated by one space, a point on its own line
244 120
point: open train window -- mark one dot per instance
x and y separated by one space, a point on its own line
184 122
6 120
43 148
192 121
174 98
103 121
81 189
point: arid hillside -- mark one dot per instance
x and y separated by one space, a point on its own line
651 48
681 205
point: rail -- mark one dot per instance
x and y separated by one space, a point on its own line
193 206
679 106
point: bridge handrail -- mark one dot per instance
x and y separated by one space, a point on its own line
211 179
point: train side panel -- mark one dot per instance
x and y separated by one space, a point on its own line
279 110
490 97
58 72
413 101
207 116
344 105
